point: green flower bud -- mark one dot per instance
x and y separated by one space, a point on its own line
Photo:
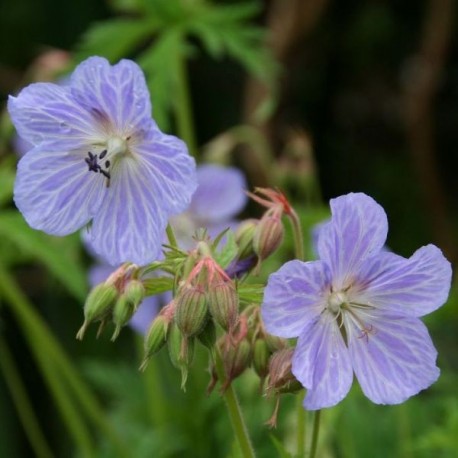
155 338
98 305
268 235
191 310
181 351
223 303
261 357
244 237
275 343
122 313
134 293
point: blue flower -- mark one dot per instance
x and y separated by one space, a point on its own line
99 160
356 309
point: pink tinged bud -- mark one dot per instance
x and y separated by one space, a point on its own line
223 303
261 355
99 304
191 310
236 360
244 236
268 234
280 377
155 338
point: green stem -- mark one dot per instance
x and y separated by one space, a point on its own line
301 427
315 433
235 414
21 400
183 107
297 235
37 331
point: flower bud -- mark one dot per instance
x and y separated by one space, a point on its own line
181 351
244 238
98 305
275 343
280 377
155 338
261 357
268 235
236 360
122 313
191 310
134 292
223 303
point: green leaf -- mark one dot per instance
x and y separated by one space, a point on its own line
250 293
57 254
158 285
116 38
228 251
159 62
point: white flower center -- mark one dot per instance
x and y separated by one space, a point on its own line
336 300
116 146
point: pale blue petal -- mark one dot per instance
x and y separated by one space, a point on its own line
220 194
130 224
321 363
408 287
46 112
294 296
172 171
115 94
55 192
357 231
396 360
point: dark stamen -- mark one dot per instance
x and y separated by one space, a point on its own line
107 163
92 163
103 154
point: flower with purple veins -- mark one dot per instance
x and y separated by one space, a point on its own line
99 160
357 310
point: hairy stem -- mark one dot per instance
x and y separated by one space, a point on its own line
235 414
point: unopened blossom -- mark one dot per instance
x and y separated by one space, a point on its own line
356 310
99 160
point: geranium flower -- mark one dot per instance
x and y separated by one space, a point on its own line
357 310
100 160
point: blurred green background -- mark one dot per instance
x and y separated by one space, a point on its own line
329 97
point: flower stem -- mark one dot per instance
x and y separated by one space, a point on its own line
301 427
297 235
183 107
54 362
235 414
21 400
315 433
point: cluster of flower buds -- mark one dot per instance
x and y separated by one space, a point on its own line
248 346
115 300
206 297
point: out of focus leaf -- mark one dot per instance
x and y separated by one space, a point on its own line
228 251
250 293
7 176
52 252
282 452
116 38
